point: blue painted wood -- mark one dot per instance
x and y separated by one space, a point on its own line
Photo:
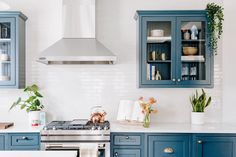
214 145
16 67
127 140
178 145
2 142
23 141
127 153
174 66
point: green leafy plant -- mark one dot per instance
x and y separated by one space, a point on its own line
33 102
200 102
215 24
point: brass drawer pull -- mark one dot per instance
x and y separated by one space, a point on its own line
199 141
127 137
168 150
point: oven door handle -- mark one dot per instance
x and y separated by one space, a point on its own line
58 146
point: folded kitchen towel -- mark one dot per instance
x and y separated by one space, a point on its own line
88 150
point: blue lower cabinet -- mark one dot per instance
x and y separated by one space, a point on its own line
126 153
168 145
2 142
214 145
23 141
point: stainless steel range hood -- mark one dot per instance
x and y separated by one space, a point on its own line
78 45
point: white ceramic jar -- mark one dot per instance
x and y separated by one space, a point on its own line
157 33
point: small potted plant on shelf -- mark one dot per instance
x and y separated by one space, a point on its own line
199 103
32 104
147 109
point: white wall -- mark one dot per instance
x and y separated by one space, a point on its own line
70 90
229 56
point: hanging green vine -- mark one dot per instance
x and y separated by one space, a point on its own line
215 24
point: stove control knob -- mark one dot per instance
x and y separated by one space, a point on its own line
106 128
99 128
54 128
93 128
45 128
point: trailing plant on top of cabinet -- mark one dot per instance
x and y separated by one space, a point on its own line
173 49
12 49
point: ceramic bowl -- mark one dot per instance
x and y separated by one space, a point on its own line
4 78
157 33
189 51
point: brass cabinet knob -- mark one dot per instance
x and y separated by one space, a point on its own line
179 80
173 79
168 150
116 154
127 137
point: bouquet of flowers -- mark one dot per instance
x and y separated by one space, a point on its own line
147 109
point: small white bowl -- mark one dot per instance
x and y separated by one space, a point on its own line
157 33
4 78
4 57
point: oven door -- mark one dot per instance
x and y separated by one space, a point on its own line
92 149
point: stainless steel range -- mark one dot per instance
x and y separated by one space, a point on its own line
79 135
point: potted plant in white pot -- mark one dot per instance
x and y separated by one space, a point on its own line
32 104
199 103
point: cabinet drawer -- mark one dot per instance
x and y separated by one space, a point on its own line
126 153
127 140
24 139
168 146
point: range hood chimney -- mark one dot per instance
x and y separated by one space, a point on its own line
78 45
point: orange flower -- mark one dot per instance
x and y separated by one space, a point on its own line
152 100
146 106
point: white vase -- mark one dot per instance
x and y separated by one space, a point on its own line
34 118
197 118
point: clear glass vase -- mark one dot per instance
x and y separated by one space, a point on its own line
146 121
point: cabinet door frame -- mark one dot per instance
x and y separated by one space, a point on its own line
143 52
13 59
200 139
208 82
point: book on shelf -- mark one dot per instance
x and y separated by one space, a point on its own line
150 72
193 58
158 39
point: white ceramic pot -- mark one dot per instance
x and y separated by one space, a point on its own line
157 33
198 118
34 118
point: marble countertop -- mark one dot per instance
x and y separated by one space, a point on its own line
174 128
154 128
38 153
21 127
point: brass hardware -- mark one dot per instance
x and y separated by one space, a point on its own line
24 138
178 80
173 80
116 154
199 141
168 150
127 137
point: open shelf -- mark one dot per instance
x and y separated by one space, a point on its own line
151 39
5 40
197 40
159 61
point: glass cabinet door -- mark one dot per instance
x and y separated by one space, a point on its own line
158 44
193 54
7 51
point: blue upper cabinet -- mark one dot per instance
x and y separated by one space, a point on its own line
12 49
173 49
2 142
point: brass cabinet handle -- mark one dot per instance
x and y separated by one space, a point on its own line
199 141
127 137
168 150
116 154
24 138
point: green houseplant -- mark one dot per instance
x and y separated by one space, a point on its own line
199 103
215 24
32 104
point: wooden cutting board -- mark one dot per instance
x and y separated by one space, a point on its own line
5 125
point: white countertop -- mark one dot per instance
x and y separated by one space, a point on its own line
38 153
174 128
21 127
154 128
